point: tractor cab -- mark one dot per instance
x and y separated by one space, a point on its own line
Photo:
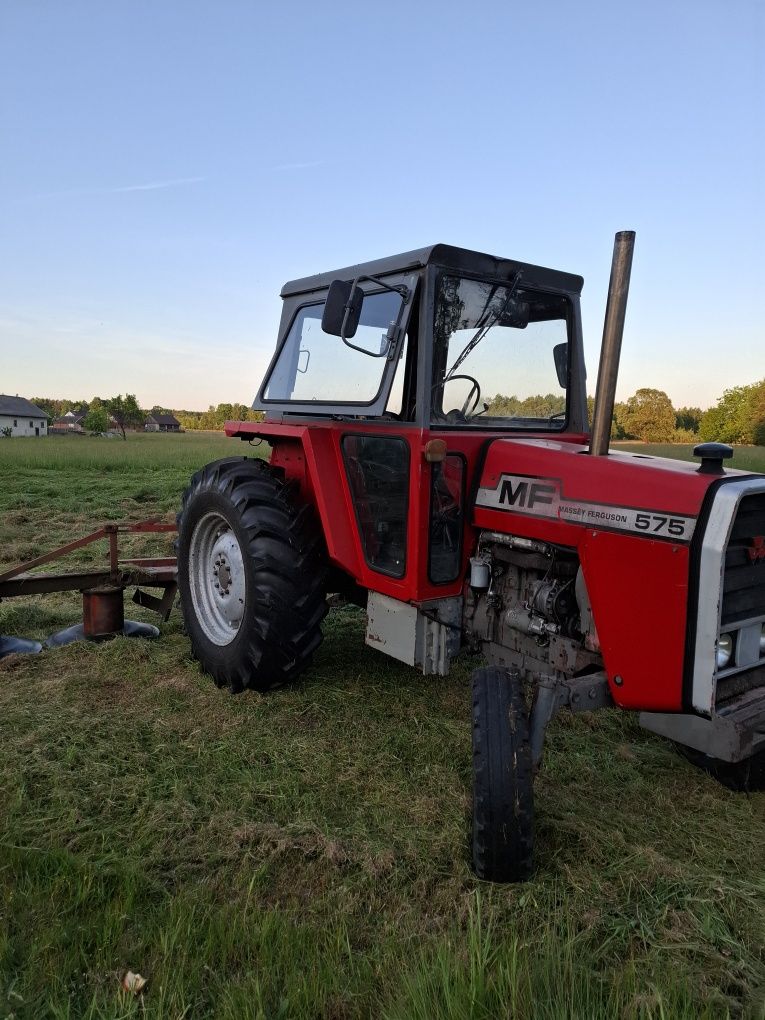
439 338
400 371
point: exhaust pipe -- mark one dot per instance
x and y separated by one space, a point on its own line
613 330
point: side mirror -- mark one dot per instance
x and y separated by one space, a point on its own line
560 356
342 309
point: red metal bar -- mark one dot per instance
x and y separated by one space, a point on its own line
144 526
151 561
54 555
111 530
114 553
162 576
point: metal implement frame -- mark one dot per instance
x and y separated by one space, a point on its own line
153 572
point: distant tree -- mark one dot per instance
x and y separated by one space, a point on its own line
188 420
688 418
684 436
540 406
737 416
125 412
47 405
96 420
617 430
650 416
214 417
758 414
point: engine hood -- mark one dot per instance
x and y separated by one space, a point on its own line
549 480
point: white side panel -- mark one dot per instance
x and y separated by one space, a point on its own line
392 627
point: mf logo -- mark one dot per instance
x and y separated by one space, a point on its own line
516 492
757 549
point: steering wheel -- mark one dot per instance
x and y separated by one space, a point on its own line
471 402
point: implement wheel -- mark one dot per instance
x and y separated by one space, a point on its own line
251 574
503 791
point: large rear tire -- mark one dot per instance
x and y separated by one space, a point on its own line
251 574
503 790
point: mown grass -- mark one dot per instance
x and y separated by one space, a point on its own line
306 854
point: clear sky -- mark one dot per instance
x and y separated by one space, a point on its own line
165 165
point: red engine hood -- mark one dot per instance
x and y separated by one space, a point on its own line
631 518
624 492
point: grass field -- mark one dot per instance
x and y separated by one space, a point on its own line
306 853
745 458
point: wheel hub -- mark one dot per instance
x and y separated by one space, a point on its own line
222 571
217 578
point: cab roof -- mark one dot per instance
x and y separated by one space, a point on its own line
445 255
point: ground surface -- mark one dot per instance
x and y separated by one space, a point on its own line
305 854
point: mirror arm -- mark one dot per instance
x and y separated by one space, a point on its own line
369 354
398 289
392 330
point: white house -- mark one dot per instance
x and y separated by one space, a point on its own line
21 417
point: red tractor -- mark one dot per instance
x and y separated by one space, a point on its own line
431 460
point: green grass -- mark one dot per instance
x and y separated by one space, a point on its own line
306 853
745 458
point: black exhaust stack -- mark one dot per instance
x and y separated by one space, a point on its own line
613 330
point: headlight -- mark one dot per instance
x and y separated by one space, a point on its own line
725 650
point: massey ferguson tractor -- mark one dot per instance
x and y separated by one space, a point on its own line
432 460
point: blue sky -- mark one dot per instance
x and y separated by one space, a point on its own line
167 165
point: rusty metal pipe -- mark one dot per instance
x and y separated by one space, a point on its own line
103 612
613 330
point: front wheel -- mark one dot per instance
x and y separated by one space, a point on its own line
251 574
747 776
503 790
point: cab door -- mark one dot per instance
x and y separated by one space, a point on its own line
378 468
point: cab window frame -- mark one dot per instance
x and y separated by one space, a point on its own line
292 307
496 424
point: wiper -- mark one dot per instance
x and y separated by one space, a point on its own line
485 326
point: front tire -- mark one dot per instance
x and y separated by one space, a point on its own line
503 790
251 574
747 776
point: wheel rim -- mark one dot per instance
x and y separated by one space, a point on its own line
216 578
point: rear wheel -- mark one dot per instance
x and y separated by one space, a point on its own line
503 791
251 574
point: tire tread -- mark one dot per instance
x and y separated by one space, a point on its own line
284 548
503 792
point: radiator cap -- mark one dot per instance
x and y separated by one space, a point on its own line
712 457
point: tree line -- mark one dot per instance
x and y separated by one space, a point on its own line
125 413
215 416
649 415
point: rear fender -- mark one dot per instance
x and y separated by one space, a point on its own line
312 459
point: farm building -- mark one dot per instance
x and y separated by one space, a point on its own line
21 417
162 423
71 421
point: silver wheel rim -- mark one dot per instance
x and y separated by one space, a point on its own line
216 578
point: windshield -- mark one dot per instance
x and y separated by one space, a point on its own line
500 355
314 366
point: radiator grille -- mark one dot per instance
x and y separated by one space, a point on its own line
744 581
